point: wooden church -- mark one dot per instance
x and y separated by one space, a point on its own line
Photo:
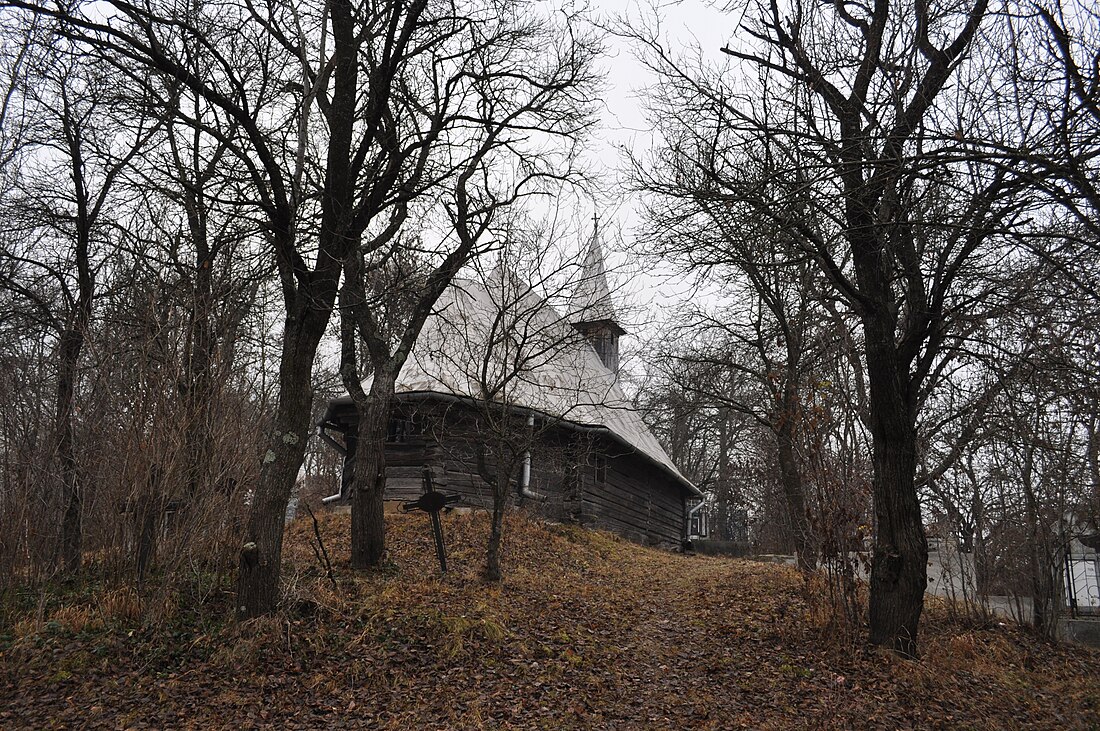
498 365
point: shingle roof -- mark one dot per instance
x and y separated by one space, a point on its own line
497 339
592 298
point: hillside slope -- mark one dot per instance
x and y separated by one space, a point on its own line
587 632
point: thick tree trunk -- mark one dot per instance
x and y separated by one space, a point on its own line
899 568
1043 614
899 571
72 518
899 563
197 389
795 497
258 577
309 299
69 349
368 527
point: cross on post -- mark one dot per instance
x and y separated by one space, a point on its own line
431 502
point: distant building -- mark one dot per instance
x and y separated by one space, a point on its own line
1082 575
590 459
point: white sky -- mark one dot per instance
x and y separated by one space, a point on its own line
684 23
645 296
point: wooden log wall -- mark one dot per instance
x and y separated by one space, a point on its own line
633 498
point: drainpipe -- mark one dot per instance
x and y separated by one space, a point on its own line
691 514
525 477
339 448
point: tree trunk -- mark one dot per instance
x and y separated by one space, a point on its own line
1043 615
69 350
368 527
197 401
493 571
258 577
73 499
309 302
899 563
795 497
498 476
147 520
899 568
71 533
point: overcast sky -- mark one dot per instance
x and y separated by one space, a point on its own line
686 23
645 294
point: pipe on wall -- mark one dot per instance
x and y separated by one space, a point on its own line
327 438
525 476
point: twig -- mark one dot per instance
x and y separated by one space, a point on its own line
327 564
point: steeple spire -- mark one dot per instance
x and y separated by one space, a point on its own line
594 314
593 297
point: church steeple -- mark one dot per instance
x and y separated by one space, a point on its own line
594 316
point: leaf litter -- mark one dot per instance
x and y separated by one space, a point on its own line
586 631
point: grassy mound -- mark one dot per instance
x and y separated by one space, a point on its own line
587 631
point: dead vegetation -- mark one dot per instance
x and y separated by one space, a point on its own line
587 632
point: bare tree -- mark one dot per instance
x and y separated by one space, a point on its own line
235 59
755 355
77 141
844 134
506 338
1048 66
336 114
521 94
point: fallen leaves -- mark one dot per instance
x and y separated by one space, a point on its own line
588 631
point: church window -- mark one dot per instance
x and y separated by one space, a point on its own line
402 428
600 463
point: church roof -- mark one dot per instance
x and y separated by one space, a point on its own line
496 339
592 298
